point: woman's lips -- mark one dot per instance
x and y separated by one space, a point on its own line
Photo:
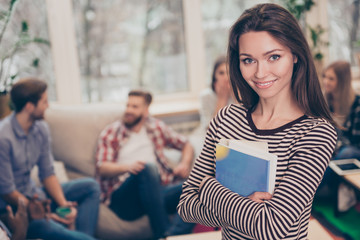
266 84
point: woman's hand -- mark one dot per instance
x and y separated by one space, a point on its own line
260 196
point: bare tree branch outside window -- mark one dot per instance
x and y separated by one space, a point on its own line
126 44
24 43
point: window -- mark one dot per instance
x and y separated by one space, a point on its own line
168 47
344 31
24 43
130 44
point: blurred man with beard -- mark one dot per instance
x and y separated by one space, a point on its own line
134 174
24 143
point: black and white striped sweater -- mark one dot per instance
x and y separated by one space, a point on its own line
303 146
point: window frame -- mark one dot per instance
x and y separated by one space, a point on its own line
66 61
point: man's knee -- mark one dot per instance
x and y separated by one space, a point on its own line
150 171
91 185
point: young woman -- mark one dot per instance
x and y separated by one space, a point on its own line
281 103
345 107
218 96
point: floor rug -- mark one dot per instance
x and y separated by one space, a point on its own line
347 224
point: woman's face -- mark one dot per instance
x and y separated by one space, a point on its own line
222 83
221 74
329 81
265 64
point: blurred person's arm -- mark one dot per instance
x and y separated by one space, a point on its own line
111 169
106 152
8 190
183 168
54 189
177 141
18 222
14 197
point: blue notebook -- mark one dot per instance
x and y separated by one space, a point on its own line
245 167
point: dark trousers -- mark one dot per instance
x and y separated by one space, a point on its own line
143 194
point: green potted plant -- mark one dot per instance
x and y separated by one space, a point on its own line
299 8
317 42
12 62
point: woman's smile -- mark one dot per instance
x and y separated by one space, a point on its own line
264 84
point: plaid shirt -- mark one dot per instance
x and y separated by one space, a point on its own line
351 134
115 135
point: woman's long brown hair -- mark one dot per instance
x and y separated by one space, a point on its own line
278 22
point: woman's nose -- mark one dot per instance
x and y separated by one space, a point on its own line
261 70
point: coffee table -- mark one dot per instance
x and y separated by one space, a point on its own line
351 179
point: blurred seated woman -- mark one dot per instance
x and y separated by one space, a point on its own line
344 105
212 100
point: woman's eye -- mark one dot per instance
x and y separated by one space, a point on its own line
274 57
247 60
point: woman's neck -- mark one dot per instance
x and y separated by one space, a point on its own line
271 115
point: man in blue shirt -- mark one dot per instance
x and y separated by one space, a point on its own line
24 143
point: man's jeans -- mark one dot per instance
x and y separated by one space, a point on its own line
84 191
143 194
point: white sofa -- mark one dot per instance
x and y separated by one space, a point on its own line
74 131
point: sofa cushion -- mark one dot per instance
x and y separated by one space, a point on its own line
75 130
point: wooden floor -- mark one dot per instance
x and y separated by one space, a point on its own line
316 232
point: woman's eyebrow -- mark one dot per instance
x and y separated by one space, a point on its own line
267 53
271 51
